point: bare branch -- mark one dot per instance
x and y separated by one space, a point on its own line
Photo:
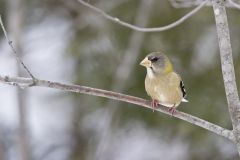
234 4
142 29
227 67
120 97
187 4
13 49
193 3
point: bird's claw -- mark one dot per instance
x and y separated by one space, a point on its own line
172 110
154 104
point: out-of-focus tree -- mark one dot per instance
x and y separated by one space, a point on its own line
99 47
16 21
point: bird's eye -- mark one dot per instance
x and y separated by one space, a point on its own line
154 59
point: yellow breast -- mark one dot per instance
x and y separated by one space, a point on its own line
165 89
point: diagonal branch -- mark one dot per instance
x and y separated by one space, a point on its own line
14 50
234 4
20 81
142 29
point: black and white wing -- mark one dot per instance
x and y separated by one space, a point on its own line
183 91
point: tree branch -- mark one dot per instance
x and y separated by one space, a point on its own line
192 3
142 29
14 50
234 4
227 67
25 82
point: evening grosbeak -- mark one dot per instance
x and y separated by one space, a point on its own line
162 84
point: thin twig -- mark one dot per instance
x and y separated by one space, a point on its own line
14 50
234 4
143 29
120 97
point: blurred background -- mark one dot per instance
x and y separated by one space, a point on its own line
61 40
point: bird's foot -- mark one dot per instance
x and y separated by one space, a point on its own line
172 110
154 104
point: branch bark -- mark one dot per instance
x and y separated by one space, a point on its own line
28 82
228 67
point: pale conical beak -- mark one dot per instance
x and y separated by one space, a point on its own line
146 62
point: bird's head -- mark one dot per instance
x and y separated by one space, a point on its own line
158 63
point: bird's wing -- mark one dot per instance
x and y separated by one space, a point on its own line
183 91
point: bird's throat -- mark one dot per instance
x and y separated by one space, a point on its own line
150 73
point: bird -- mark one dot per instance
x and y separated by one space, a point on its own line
162 83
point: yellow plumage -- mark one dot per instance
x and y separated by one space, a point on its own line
162 84
165 89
